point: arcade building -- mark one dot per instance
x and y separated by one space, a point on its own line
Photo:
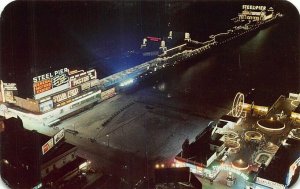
249 145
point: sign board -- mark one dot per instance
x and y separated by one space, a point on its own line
269 183
42 86
65 95
51 91
46 106
89 84
59 136
45 85
50 75
10 86
108 93
47 146
82 77
254 7
9 96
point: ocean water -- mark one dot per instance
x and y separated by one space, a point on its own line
37 38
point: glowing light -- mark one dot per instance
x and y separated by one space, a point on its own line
157 166
162 165
127 82
237 106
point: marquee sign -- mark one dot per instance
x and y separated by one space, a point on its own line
10 86
66 95
47 146
254 7
50 75
47 82
89 84
83 77
60 135
60 80
269 183
42 86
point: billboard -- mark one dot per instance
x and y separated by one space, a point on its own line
82 77
42 86
65 97
51 91
46 106
10 86
7 92
254 7
60 135
108 93
89 84
9 96
50 75
50 83
47 146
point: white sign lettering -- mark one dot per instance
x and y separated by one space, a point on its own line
66 95
254 7
50 75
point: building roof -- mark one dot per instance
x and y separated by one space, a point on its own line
215 139
284 158
69 167
228 118
199 151
221 124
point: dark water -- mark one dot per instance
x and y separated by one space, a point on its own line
38 37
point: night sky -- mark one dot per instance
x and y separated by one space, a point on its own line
38 37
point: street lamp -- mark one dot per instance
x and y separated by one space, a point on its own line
107 140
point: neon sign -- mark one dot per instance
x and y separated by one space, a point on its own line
153 38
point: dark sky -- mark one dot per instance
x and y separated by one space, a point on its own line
37 37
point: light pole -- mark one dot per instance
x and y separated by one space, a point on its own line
107 140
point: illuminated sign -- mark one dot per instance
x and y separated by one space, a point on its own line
9 96
50 75
86 86
46 106
269 183
47 146
65 95
10 86
59 80
108 93
254 7
50 83
42 86
52 91
153 38
60 135
89 84
83 77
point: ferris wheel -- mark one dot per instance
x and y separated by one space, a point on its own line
237 106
